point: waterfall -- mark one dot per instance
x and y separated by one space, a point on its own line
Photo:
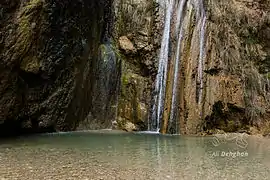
175 13
162 67
104 89
177 59
200 66
201 57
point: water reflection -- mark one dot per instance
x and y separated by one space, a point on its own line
155 156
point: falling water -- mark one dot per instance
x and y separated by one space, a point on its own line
179 16
162 67
177 59
105 88
201 56
178 8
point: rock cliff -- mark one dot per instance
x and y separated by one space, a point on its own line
137 37
237 65
46 54
72 64
234 85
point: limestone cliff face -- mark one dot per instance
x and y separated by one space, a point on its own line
222 81
234 93
137 38
70 65
46 52
236 90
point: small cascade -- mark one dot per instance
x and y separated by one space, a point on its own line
201 57
177 60
105 88
162 68
178 18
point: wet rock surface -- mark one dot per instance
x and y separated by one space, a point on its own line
234 83
237 96
134 32
46 51
54 64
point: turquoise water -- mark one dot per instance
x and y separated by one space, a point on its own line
116 155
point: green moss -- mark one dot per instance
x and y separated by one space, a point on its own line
125 79
28 18
124 85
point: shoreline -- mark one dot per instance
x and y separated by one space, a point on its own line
119 131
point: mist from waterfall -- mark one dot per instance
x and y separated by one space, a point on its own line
174 33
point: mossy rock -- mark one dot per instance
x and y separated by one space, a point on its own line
46 56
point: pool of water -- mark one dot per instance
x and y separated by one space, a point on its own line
118 155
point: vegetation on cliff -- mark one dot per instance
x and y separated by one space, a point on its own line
240 32
51 54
